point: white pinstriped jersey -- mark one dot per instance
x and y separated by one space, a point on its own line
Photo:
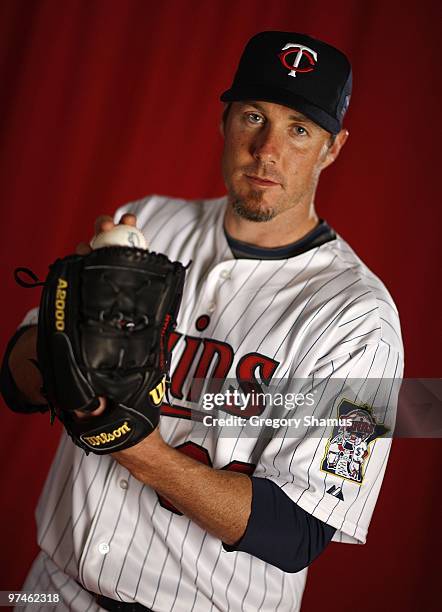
317 318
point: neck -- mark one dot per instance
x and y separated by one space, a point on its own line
286 228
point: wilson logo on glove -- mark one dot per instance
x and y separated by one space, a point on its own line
158 392
104 437
60 304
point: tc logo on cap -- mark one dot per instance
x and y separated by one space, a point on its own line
300 51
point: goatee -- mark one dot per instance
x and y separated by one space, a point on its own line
245 211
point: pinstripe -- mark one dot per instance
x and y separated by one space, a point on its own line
357 495
68 579
236 294
313 455
394 377
330 413
164 562
248 583
131 539
297 445
79 590
287 310
77 520
140 204
184 246
211 575
392 328
97 518
368 463
91 604
368 373
36 579
316 312
181 566
358 317
372 486
265 588
69 520
327 327
379 299
160 228
237 441
333 509
250 303
196 308
207 268
197 572
295 448
43 589
271 302
176 425
359 336
230 582
147 551
324 487
56 505
123 501
201 282
282 593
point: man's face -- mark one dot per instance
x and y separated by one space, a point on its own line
272 158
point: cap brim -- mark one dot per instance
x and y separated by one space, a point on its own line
286 98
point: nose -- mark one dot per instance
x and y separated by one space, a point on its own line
266 146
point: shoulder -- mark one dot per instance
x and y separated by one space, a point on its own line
155 209
173 225
358 308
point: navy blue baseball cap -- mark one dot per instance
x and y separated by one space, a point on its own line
297 71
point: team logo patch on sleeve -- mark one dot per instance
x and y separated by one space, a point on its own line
348 448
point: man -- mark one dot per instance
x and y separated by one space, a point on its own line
200 517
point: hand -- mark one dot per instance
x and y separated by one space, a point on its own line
104 223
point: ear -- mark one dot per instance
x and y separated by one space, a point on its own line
333 151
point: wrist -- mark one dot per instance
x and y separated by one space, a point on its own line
145 458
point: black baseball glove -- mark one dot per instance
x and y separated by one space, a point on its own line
104 323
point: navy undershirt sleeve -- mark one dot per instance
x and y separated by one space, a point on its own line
279 531
8 388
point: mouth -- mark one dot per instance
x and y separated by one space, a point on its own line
261 182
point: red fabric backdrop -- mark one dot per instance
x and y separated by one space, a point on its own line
105 101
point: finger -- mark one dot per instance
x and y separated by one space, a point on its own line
128 219
103 223
83 249
101 408
82 414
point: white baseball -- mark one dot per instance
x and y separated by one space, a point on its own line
120 235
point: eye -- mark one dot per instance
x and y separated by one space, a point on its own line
300 131
254 118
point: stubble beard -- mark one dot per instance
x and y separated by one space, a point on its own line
251 208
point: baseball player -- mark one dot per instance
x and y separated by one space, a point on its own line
201 515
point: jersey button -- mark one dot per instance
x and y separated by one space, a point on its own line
225 274
124 484
211 307
103 548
